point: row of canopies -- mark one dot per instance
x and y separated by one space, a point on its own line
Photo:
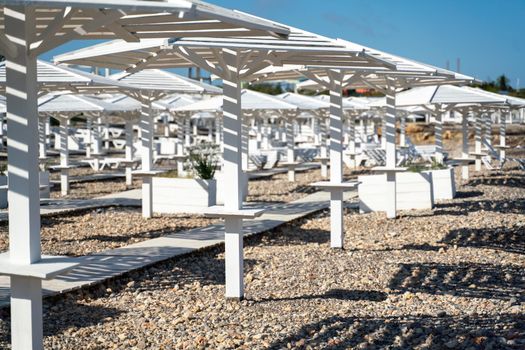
232 45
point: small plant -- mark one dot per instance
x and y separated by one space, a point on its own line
203 160
437 165
3 169
417 168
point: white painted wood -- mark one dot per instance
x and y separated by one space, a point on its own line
439 136
477 138
464 146
24 202
336 159
64 156
234 259
178 195
233 175
502 134
402 128
129 151
146 127
391 190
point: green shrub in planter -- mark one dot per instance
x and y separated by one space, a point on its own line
437 166
416 168
204 160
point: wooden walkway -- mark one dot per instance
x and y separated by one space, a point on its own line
98 267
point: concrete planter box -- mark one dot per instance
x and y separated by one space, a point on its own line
177 195
443 183
413 191
221 189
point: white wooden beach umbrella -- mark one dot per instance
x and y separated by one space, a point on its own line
444 98
63 108
152 85
391 75
29 28
233 60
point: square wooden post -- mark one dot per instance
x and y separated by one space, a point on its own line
336 159
464 146
232 156
391 157
146 126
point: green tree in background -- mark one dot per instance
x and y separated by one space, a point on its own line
270 89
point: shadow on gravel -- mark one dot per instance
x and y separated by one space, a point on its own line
59 316
465 280
468 194
338 294
510 239
505 331
465 207
498 180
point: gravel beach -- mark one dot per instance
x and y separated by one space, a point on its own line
279 189
87 232
448 279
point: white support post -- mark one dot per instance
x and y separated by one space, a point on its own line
336 159
266 132
403 131
218 130
146 126
383 132
128 131
316 131
502 134
42 139
210 130
106 134
166 126
232 134
259 134
187 132
24 196
180 144
290 146
324 149
439 135
487 134
477 143
464 146
88 137
391 162
245 141
64 155
97 142
352 139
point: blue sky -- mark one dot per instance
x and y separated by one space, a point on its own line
488 35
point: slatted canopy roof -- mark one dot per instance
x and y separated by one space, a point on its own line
304 102
173 102
446 95
251 100
157 79
406 72
60 21
74 104
52 78
510 101
301 47
348 104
